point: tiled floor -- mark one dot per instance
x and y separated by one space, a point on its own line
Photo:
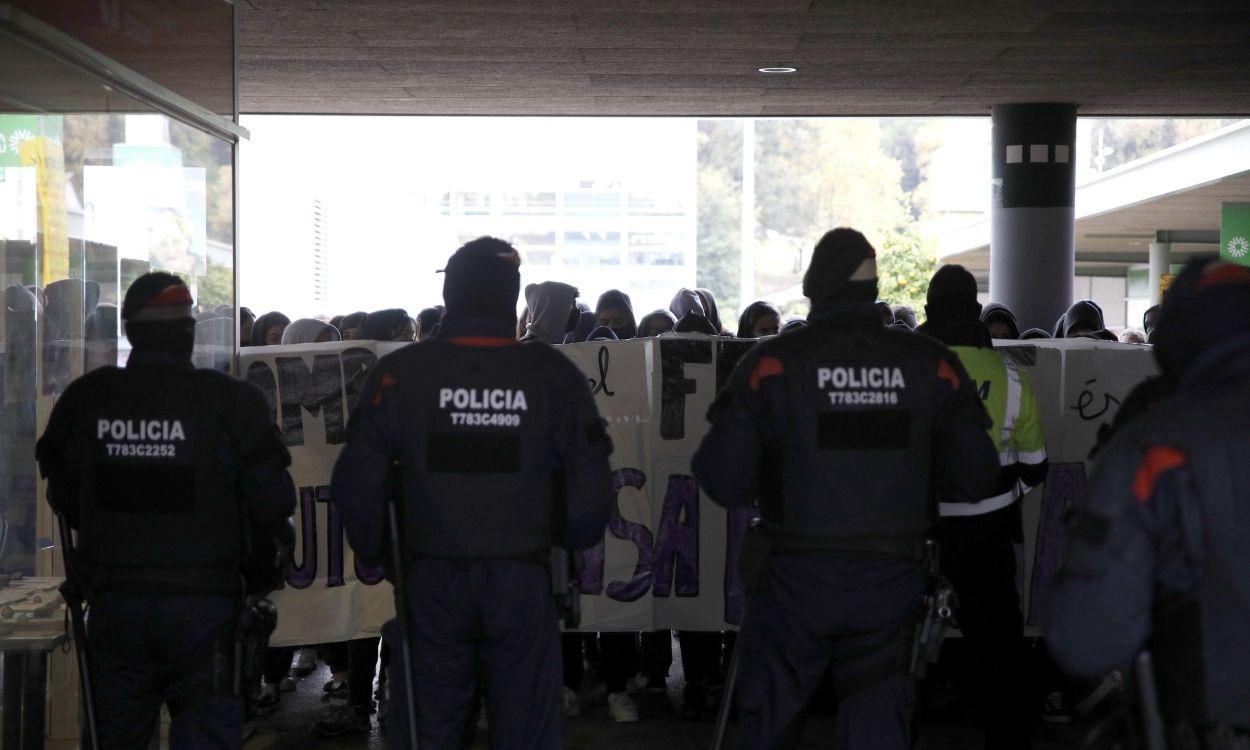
659 728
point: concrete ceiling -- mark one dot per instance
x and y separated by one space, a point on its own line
700 57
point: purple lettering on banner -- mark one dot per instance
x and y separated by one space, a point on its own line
739 520
1065 485
370 576
639 535
677 550
334 539
591 577
301 575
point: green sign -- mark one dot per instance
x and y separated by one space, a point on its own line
1235 233
17 129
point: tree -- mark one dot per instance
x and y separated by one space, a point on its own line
215 287
904 267
719 210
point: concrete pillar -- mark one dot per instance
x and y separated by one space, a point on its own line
1032 218
1160 263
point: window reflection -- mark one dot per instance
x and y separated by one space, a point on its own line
87 204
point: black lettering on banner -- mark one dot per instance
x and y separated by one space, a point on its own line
728 354
260 374
674 385
316 391
601 385
1087 404
356 365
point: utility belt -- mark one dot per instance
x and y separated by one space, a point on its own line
920 633
761 544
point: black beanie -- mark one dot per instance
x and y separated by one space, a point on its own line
952 291
1209 304
157 313
843 268
483 280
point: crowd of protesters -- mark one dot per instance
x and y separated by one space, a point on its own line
628 664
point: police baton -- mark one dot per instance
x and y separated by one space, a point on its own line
72 594
1151 716
401 614
759 555
726 702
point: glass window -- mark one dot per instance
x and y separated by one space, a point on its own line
88 202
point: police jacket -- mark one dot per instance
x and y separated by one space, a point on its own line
168 472
1158 553
844 430
1006 391
495 446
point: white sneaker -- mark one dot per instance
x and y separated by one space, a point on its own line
622 708
572 705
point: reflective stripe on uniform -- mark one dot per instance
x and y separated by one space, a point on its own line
989 505
1031 457
1012 411
1007 456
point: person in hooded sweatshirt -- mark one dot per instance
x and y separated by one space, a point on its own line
710 310
1000 321
1083 319
655 323
552 307
843 432
427 322
392 324
977 539
759 319
503 454
906 316
309 331
615 310
582 329
268 328
1158 550
349 326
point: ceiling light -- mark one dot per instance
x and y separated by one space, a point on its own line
779 69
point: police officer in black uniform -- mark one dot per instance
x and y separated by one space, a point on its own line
844 431
501 453
1158 555
175 479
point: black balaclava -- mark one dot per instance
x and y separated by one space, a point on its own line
843 269
1084 316
1208 305
157 314
996 313
483 280
952 313
952 291
264 323
620 300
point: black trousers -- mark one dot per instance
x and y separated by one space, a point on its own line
979 559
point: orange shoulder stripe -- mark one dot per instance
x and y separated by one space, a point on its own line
1159 460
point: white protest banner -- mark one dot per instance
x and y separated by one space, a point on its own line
668 559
